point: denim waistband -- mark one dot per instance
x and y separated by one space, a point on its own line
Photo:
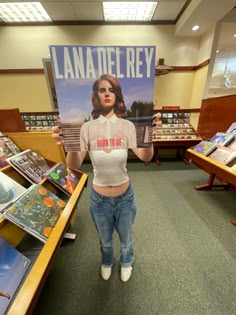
124 194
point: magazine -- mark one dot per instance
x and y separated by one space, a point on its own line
36 211
10 190
89 79
13 268
64 178
223 155
31 165
205 147
222 138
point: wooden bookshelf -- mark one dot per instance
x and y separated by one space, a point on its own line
28 293
216 170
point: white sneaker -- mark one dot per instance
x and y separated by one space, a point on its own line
126 273
105 272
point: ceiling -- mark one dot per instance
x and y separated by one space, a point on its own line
181 13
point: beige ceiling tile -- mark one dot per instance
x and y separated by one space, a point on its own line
88 10
168 10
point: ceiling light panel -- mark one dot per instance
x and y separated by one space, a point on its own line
129 11
23 12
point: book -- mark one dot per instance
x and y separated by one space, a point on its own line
223 155
36 211
222 138
64 177
205 147
13 268
10 190
31 165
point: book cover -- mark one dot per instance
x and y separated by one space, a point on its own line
5 153
31 165
223 155
37 211
13 268
222 138
10 190
91 80
64 178
205 147
10 144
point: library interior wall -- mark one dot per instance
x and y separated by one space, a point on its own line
23 47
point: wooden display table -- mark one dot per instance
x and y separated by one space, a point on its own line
181 146
215 170
28 294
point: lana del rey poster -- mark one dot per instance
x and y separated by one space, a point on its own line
105 95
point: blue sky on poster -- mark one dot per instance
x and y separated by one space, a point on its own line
74 94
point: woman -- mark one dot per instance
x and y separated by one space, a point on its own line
112 131
112 202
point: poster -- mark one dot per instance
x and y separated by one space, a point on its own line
126 85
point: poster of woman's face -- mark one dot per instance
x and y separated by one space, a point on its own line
91 81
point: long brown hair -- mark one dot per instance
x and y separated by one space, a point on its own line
119 106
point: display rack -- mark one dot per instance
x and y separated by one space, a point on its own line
39 120
176 132
28 293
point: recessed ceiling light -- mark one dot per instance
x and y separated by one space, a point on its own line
217 51
129 11
195 27
234 35
23 12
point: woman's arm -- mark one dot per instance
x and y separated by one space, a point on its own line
73 159
144 154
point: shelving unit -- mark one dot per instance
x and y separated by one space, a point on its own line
31 287
39 120
176 132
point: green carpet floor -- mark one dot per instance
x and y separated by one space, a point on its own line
185 252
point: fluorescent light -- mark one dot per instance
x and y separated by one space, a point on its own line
195 27
129 11
23 12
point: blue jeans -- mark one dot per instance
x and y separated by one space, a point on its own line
109 213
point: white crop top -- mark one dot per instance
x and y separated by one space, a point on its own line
109 168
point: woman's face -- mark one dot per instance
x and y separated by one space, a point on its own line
106 94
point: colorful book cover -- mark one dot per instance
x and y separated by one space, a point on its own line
5 153
223 155
31 165
37 211
205 147
93 81
64 178
222 138
10 190
13 268
10 144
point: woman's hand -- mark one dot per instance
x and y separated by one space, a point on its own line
57 133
